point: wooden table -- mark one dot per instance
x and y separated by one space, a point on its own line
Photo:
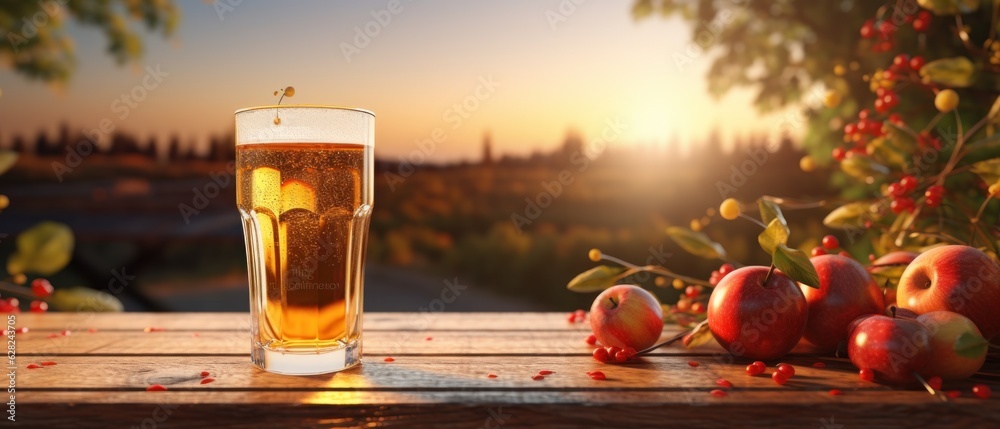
438 379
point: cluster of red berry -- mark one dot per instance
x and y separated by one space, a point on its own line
860 132
607 354
41 288
578 316
901 194
694 298
718 274
884 30
781 376
830 243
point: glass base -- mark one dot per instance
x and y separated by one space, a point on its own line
310 362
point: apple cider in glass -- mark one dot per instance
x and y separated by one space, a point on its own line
305 207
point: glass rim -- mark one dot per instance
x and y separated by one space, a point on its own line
303 106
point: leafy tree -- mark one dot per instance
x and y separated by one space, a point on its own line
36 44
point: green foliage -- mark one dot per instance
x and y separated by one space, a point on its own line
38 47
956 72
795 264
596 279
776 234
42 249
696 243
949 7
83 299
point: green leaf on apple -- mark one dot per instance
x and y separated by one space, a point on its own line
795 264
971 345
847 215
949 7
955 72
696 243
596 279
775 234
698 336
769 211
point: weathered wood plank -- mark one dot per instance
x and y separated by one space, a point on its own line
416 321
463 409
137 342
425 372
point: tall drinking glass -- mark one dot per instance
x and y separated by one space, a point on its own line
304 177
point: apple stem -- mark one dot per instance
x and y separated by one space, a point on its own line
892 309
930 389
667 342
768 276
613 303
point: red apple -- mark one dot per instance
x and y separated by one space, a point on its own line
954 278
895 348
846 291
626 316
755 320
947 362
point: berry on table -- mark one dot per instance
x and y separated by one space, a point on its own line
722 382
601 354
621 356
779 377
836 392
982 391
867 374
597 375
591 339
787 369
718 393
756 368
693 364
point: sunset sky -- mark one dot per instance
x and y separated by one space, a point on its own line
596 65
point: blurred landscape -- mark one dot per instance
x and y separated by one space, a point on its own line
512 229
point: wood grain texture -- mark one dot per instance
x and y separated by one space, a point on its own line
433 321
665 373
99 380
